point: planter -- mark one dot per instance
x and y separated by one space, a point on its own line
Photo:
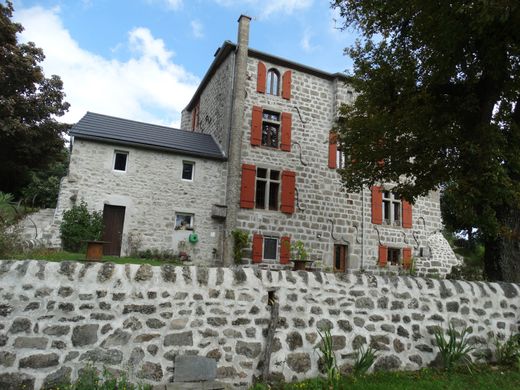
301 265
95 250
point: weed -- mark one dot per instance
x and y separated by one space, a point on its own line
364 360
456 349
507 353
328 357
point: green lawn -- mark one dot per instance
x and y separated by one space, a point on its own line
487 378
51 255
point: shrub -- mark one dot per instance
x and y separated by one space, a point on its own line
78 226
241 241
508 352
456 349
10 214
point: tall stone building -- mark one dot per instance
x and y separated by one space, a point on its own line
255 153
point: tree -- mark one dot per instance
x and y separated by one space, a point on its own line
30 136
439 104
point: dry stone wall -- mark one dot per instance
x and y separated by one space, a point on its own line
56 317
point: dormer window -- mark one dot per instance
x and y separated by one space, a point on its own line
273 82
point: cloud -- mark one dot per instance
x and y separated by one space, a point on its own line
266 8
174 4
197 29
149 86
305 42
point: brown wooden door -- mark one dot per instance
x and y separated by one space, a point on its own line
340 258
114 220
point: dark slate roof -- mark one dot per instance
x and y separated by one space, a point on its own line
120 131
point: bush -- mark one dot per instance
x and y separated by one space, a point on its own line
10 214
456 349
78 226
508 352
241 241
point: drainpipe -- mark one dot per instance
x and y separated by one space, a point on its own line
236 132
362 228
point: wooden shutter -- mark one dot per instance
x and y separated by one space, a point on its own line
286 85
247 190
333 148
258 248
407 258
260 80
256 126
377 205
286 131
383 255
288 190
407 214
285 250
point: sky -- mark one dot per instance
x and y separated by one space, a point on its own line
143 59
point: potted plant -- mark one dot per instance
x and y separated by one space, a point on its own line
299 255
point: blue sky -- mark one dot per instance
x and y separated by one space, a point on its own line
143 59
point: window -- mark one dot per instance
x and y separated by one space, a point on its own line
391 209
340 158
183 221
120 159
267 189
270 248
187 170
270 128
394 254
273 82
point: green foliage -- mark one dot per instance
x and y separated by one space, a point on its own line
456 349
241 241
80 225
328 357
507 353
10 214
30 136
439 103
156 254
91 379
298 251
364 360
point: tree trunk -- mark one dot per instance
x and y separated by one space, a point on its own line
492 259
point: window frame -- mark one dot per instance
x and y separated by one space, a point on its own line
394 256
276 248
267 190
340 157
273 79
271 123
114 160
192 163
183 214
391 201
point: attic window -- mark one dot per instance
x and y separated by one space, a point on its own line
187 170
120 161
273 82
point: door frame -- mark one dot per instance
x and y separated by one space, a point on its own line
343 254
108 248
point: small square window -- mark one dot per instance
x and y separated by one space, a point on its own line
270 248
394 255
183 221
120 159
187 170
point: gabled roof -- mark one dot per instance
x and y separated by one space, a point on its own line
120 131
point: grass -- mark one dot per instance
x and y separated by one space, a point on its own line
57 256
482 377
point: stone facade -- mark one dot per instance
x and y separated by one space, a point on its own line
56 317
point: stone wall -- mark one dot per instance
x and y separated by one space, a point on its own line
152 191
56 317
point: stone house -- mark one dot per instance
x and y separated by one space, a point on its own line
255 153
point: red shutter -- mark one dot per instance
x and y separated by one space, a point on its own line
258 243
256 126
286 131
285 250
260 81
383 255
377 205
286 85
407 258
407 214
288 189
333 148
247 190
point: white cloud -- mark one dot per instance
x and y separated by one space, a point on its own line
149 86
305 42
197 29
266 8
174 4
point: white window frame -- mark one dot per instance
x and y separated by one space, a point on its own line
277 241
190 226
192 163
116 152
267 191
273 87
340 159
390 219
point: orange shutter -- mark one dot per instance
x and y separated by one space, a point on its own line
383 254
285 250
286 131
333 148
247 190
256 126
260 80
258 243
377 205
407 214
286 85
407 258
288 189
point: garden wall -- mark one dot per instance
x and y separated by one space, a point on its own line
56 317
